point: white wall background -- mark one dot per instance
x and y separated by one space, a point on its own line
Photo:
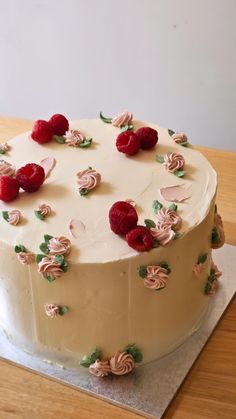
168 61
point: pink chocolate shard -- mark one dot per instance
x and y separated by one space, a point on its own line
48 164
76 227
176 193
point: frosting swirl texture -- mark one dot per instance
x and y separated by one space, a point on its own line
156 277
121 363
50 267
59 246
123 118
88 179
167 216
100 368
173 162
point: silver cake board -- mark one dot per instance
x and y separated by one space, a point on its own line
149 389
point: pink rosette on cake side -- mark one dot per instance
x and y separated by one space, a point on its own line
87 180
100 368
173 162
122 119
48 267
45 210
197 269
13 217
217 273
180 138
167 216
73 138
218 238
6 169
59 246
121 363
156 277
163 233
25 258
52 310
4 148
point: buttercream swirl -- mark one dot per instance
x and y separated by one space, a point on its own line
6 169
180 137
48 266
4 147
52 310
88 179
45 210
14 217
218 224
100 368
74 138
217 273
173 162
213 289
168 216
121 363
197 269
156 277
123 118
163 233
59 246
25 257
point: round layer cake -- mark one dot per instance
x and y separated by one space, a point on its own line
107 302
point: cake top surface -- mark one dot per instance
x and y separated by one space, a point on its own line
137 177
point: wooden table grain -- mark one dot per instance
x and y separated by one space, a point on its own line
208 392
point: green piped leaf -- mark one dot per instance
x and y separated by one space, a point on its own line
44 248
202 258
48 278
142 271
39 215
180 173
159 158
63 310
215 238
134 352
156 206
19 248
185 144
39 257
156 243
174 207
177 235
171 132
149 223
89 359
65 266
86 143
59 139
83 191
105 119
5 215
165 266
59 259
2 151
128 127
47 238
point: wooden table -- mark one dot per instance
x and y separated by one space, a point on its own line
209 390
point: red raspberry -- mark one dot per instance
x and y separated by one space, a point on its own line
148 137
30 177
128 142
123 217
9 188
140 239
42 132
59 124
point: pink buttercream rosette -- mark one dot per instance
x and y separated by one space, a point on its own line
121 363
180 137
45 210
123 118
14 217
218 224
163 233
74 138
6 169
173 162
25 258
167 216
156 278
88 179
100 368
52 310
59 246
48 266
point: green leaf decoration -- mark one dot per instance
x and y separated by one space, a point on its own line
83 191
2 151
59 259
177 235
202 258
185 144
134 352
5 215
105 119
127 128
47 238
180 173
19 248
165 266
44 248
171 132
65 266
39 257
173 207
86 143
142 271
215 238
156 206
149 223
85 361
159 158
95 355
89 359
48 278
59 139
156 243
208 285
63 310
39 215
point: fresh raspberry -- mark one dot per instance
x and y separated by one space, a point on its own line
140 239
148 137
9 188
42 132
30 177
128 142
59 124
123 217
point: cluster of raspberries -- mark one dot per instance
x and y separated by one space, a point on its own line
43 131
130 142
29 177
123 221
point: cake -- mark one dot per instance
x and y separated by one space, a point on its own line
69 284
